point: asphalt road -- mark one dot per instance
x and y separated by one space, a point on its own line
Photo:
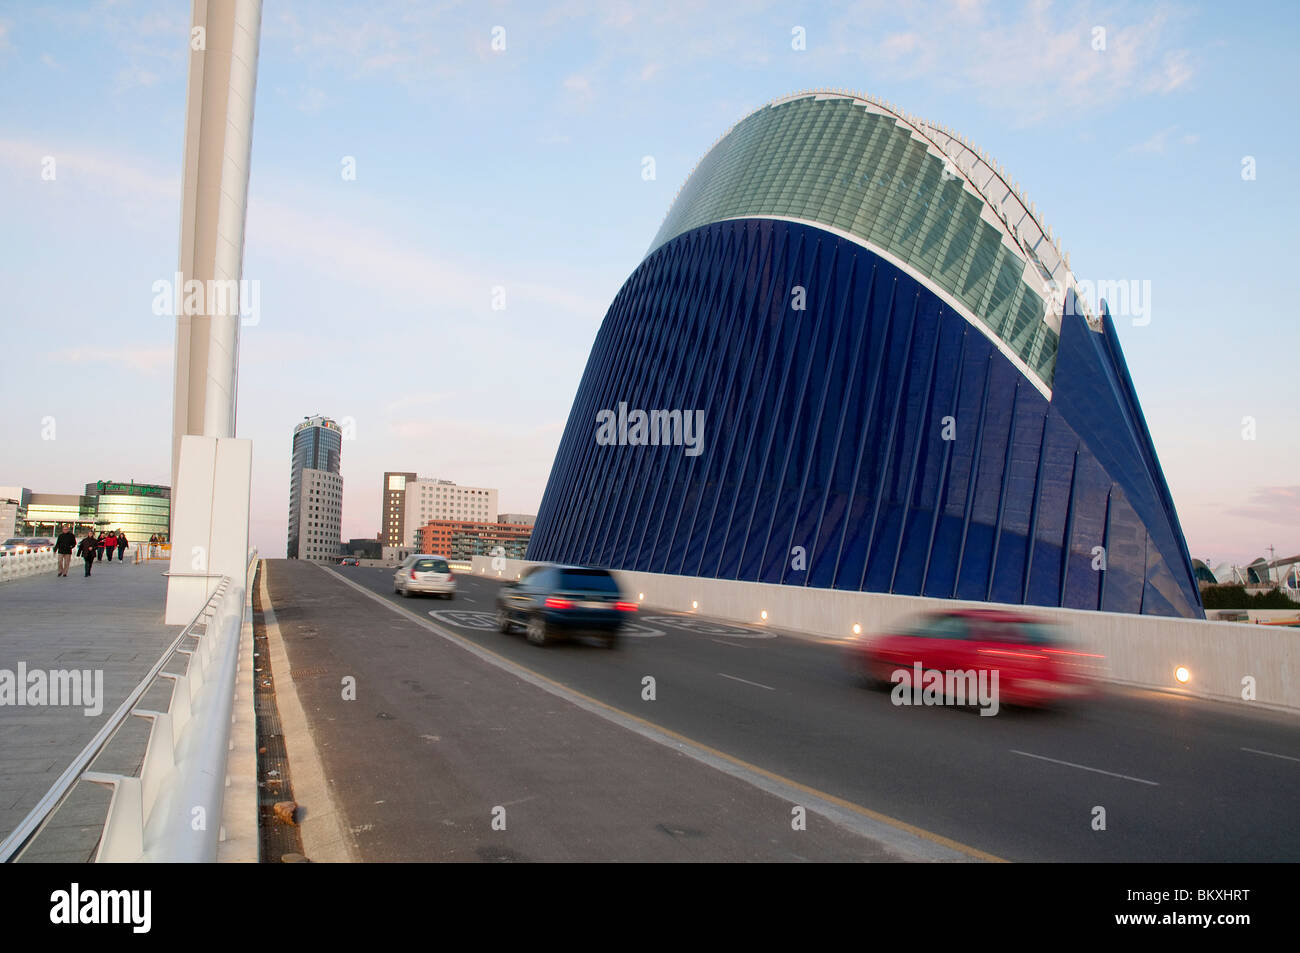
1178 779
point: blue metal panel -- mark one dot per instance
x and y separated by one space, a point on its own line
823 430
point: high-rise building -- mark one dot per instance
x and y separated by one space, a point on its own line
409 502
315 490
855 358
392 515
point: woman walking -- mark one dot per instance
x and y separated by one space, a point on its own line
121 544
87 549
110 544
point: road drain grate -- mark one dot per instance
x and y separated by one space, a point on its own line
276 837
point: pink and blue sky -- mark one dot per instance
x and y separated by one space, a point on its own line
522 168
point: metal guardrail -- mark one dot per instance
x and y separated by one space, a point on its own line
172 811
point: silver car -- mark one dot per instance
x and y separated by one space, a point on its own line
424 572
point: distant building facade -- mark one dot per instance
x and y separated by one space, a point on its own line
13 509
364 548
461 539
315 490
524 519
140 510
410 502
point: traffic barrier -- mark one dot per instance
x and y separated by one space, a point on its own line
1225 661
22 565
172 811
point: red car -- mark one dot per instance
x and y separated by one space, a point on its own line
1036 665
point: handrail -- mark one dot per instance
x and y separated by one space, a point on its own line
36 820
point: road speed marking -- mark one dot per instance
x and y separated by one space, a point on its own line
710 627
463 619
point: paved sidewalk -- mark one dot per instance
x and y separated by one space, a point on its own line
109 623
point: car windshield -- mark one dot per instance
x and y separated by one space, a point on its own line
15 542
587 580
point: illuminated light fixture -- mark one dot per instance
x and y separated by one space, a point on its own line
640 596
694 604
763 615
857 629
1182 674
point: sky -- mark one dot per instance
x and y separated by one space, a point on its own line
1167 156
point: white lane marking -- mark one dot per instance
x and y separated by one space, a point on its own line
747 681
909 841
1284 757
1084 767
734 645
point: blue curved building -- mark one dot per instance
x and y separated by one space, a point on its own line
854 358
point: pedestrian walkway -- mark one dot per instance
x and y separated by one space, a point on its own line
109 625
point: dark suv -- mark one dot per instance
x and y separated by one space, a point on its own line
556 602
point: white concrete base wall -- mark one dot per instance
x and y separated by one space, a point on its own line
1139 650
209 537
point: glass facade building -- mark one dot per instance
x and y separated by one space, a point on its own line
895 384
140 510
315 490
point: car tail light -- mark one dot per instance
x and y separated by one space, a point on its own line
450 574
625 606
555 602
412 573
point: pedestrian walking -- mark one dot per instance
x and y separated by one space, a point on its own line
153 546
110 544
64 545
121 544
87 550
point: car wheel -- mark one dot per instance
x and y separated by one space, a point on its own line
406 593
503 622
537 630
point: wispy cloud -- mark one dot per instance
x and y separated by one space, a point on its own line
1040 58
148 359
1159 142
1279 505
579 87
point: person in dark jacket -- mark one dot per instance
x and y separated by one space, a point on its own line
64 545
121 544
87 550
